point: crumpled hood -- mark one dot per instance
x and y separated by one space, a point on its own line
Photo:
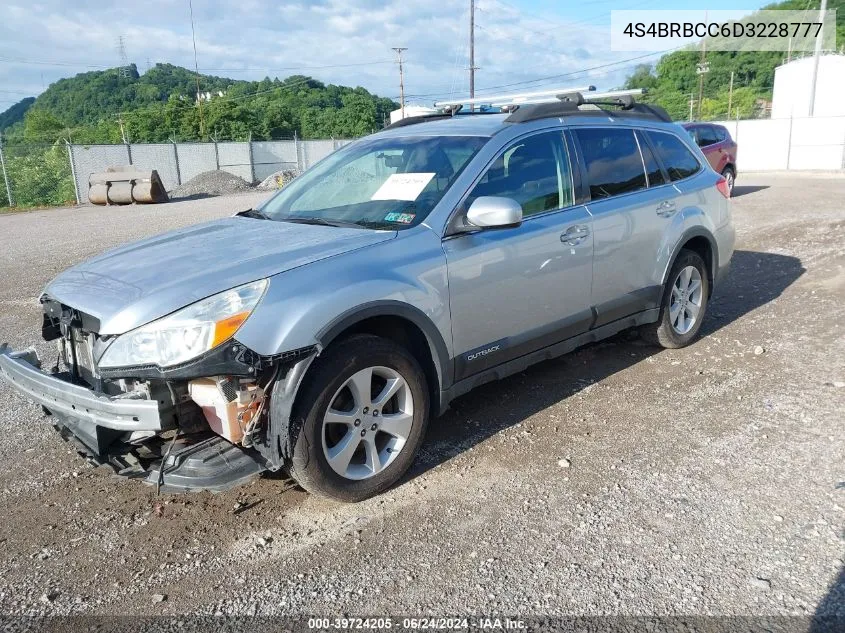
134 284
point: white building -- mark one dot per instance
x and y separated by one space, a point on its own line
411 110
791 94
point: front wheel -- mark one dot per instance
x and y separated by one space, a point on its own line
683 305
359 419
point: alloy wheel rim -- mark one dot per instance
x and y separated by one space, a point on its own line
729 177
686 300
367 423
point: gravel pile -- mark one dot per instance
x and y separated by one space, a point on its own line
278 179
210 183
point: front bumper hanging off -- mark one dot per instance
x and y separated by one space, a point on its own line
61 397
96 421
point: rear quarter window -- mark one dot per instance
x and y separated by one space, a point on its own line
613 161
676 157
655 174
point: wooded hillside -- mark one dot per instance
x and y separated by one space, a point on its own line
161 105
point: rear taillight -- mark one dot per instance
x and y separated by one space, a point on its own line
722 186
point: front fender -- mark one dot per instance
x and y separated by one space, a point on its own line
311 305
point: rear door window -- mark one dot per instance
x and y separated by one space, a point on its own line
613 161
652 168
678 160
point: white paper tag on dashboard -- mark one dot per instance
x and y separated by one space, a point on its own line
403 186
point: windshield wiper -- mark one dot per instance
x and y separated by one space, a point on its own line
253 213
376 224
323 222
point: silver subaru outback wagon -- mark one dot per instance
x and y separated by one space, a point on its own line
317 333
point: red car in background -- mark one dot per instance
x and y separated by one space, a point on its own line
718 146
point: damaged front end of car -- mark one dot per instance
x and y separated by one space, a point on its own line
178 403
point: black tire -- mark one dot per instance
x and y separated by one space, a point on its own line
309 465
730 176
662 332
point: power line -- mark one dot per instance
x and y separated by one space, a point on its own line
21 60
487 90
461 49
472 67
196 68
572 73
318 67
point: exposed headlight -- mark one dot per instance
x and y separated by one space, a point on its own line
186 334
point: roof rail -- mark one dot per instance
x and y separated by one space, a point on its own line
571 104
531 106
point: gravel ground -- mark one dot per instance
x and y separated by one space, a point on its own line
620 479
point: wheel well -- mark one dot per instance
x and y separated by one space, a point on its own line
408 335
731 166
702 246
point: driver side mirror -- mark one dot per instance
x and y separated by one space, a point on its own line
494 212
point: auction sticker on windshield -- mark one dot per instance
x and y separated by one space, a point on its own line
401 218
403 186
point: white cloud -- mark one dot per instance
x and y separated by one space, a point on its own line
250 39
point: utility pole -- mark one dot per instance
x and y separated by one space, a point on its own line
731 94
691 102
9 198
197 70
816 55
122 130
702 68
472 67
399 50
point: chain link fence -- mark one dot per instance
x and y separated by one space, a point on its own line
47 175
36 175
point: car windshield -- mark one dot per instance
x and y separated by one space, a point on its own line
383 183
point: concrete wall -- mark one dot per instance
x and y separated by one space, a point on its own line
799 143
179 162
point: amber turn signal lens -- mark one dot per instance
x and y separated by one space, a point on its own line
225 329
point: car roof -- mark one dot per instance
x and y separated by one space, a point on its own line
460 125
489 124
691 124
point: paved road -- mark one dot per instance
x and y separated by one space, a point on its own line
708 480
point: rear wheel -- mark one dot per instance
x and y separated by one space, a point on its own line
730 177
683 305
359 420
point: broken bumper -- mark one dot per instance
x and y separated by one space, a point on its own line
97 423
22 371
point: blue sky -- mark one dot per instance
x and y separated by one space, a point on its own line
520 44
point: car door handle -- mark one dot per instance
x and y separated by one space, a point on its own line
574 235
665 208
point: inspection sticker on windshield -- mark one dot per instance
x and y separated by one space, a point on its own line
403 186
401 218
